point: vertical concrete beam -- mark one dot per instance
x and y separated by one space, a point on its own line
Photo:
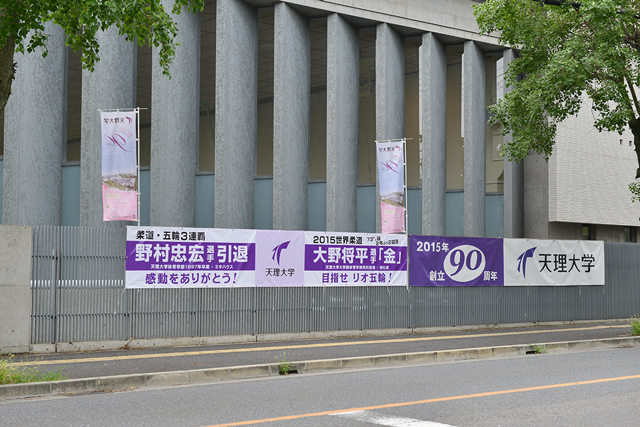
236 113
513 173
174 127
389 92
342 123
34 121
434 135
15 289
475 120
291 109
111 85
536 197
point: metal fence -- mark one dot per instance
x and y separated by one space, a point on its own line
79 295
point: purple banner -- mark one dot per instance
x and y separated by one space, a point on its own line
164 257
373 258
455 261
355 259
190 256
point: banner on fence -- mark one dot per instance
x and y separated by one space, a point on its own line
280 258
553 262
468 261
355 259
162 257
390 156
119 166
455 261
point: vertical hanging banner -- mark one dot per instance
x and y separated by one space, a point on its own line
355 259
390 156
119 166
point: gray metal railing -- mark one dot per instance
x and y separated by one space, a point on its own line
79 295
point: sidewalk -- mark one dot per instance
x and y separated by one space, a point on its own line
126 368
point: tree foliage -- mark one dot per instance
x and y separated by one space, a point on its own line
566 49
22 28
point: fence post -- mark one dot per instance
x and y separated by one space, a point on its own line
53 289
192 314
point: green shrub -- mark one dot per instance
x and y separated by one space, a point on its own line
284 367
11 374
635 325
538 348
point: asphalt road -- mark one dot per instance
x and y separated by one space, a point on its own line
133 361
594 388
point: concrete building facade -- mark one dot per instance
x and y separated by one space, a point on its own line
270 121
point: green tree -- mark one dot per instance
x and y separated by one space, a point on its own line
566 49
22 29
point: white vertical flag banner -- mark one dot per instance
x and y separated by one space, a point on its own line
390 156
119 166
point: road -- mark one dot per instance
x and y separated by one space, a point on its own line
133 361
594 388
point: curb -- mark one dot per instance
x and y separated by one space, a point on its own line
159 379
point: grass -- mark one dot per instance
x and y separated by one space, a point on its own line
10 374
635 325
539 349
284 367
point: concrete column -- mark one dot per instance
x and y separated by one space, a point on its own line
15 289
536 197
111 85
174 127
513 173
434 135
342 123
475 121
236 113
34 134
291 109
389 92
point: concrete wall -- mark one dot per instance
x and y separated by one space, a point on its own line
589 174
448 17
584 182
15 292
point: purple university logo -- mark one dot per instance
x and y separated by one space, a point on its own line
522 261
118 140
391 165
278 250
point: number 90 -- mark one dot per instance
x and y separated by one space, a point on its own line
464 263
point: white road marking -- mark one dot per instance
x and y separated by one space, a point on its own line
384 420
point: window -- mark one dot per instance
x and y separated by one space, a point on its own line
630 234
588 232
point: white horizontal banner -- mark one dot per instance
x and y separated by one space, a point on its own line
355 259
166 257
529 262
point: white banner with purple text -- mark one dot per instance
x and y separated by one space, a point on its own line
529 262
390 157
166 257
119 166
